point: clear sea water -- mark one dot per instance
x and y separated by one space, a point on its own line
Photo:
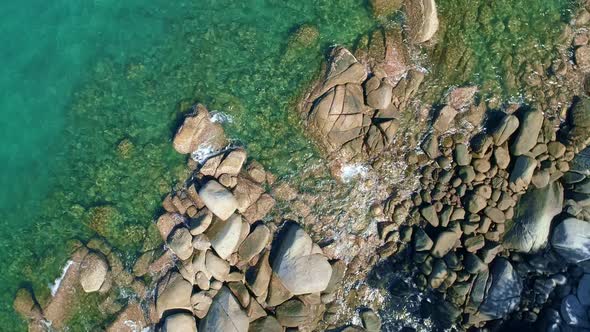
92 91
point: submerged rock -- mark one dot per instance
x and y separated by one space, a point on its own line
532 221
422 19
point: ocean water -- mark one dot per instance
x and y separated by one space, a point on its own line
93 90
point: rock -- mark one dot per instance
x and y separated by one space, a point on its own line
180 242
384 8
430 146
380 98
293 313
277 292
573 313
241 293
225 314
530 127
474 243
476 203
529 232
180 322
462 156
466 173
200 222
93 272
582 56
438 275
259 209
295 262
256 172
495 214
218 267
445 242
461 98
218 199
556 149
504 293
571 239
258 277
254 243
474 264
481 165
580 113
522 174
344 68
422 19
502 157
371 322
429 213
422 241
225 235
131 319
583 292
199 131
266 324
246 193
25 305
167 222
338 271
507 126
541 178
232 163
444 119
173 292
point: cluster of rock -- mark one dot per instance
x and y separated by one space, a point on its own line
353 111
466 217
234 270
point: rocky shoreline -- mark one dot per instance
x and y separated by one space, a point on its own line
485 208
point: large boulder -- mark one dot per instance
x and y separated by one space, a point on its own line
218 199
503 295
198 131
93 272
571 239
225 235
225 314
173 292
529 231
522 173
530 127
422 19
300 267
180 322
344 68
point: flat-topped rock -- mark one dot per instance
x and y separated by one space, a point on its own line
531 224
224 235
225 314
218 199
300 268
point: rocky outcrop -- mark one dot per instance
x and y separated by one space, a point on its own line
532 220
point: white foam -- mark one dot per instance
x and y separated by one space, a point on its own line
354 171
55 286
203 153
221 117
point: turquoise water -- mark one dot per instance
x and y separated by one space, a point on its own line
92 92
91 95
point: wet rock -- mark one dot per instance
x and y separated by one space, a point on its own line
530 127
583 292
173 292
422 241
422 19
25 305
225 235
582 56
371 322
573 313
218 199
260 209
532 221
254 243
180 322
384 8
460 98
93 272
266 324
522 173
507 126
571 239
246 193
295 262
430 146
225 314
445 242
232 163
198 131
504 293
180 242
132 315
444 119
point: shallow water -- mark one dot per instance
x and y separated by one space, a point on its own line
92 92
